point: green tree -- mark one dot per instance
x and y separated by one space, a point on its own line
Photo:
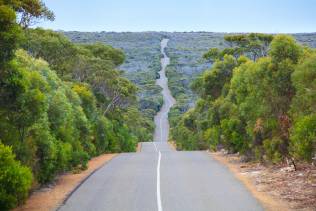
10 31
56 49
15 179
262 107
303 138
303 108
106 52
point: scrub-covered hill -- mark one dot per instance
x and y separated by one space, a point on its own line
185 50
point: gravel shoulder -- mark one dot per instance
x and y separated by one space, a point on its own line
139 147
52 196
277 187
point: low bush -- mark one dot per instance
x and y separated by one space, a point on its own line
15 179
303 138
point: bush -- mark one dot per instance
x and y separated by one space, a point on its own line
212 135
15 179
303 138
232 131
64 155
271 148
47 155
80 159
102 134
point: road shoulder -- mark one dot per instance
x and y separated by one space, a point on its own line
173 145
139 147
50 198
276 188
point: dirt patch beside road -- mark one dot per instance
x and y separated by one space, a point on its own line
50 198
173 145
276 187
139 147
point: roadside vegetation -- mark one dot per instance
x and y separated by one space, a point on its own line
186 50
141 65
257 99
60 103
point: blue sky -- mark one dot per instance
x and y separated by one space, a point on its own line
272 16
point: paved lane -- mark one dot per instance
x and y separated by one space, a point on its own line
148 147
155 147
128 182
188 181
195 181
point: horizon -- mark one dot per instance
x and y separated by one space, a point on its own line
60 30
227 16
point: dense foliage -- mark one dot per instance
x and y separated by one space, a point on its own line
16 97
15 180
61 103
258 101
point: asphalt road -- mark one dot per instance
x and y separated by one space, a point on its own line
161 179
161 119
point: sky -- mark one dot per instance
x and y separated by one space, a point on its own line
269 16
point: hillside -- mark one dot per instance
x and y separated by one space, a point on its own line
185 50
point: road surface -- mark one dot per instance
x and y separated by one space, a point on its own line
161 119
161 179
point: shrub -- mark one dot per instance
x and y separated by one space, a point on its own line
15 179
64 155
232 132
303 138
212 137
47 155
101 132
80 159
271 148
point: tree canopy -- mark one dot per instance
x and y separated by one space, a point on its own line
257 99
